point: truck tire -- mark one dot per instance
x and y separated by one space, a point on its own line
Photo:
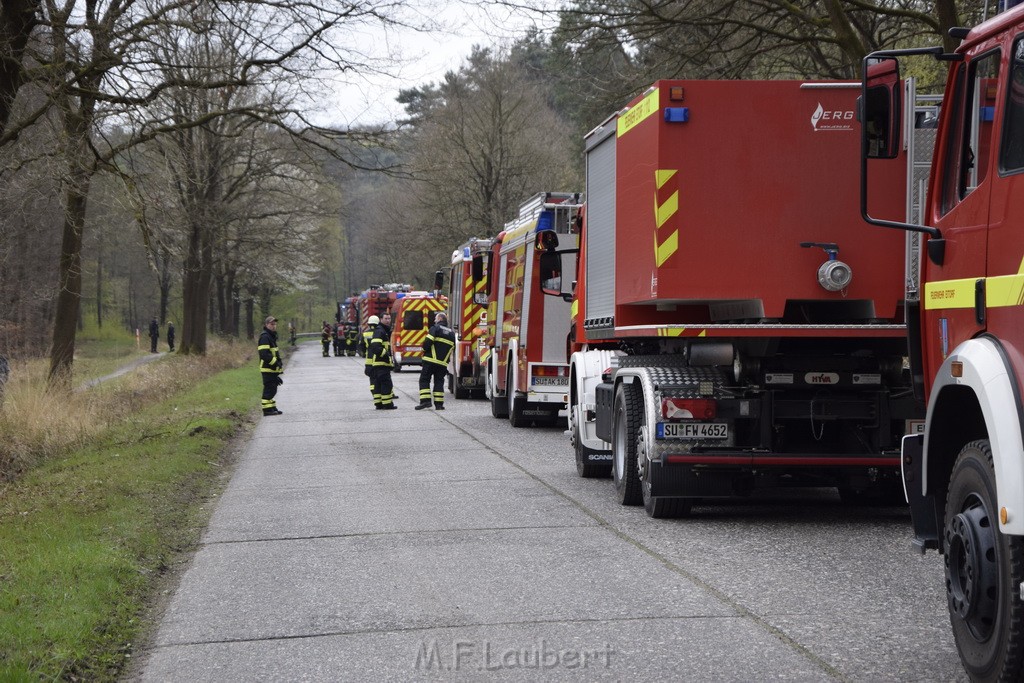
499 406
984 568
458 391
587 465
625 428
516 405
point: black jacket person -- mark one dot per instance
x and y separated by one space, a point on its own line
437 350
271 366
379 355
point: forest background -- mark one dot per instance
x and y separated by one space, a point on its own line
159 160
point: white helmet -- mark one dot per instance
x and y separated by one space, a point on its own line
373 320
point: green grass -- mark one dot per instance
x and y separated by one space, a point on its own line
84 537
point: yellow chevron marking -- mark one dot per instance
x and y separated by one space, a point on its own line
664 250
665 211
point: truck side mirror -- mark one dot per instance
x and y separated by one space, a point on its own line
550 273
439 280
477 268
880 112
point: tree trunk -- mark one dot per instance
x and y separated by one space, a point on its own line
945 11
69 275
196 279
250 330
17 20
99 284
165 282
236 310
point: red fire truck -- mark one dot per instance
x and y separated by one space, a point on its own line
734 327
378 300
412 314
527 376
467 315
964 475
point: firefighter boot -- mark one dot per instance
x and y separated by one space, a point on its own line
423 405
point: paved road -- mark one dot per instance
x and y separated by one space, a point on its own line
355 544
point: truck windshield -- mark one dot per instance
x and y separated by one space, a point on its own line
1011 157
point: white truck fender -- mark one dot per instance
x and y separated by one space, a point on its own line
987 373
586 367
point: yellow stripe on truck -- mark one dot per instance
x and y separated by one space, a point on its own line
949 294
1000 291
643 109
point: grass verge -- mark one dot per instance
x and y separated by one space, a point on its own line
86 535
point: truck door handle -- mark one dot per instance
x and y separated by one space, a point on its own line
979 301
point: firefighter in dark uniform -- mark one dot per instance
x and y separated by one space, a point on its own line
325 338
364 351
351 338
271 366
338 337
380 359
437 350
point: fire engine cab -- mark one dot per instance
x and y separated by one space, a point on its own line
964 475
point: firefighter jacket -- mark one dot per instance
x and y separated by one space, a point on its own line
270 359
364 346
380 347
351 333
438 346
326 334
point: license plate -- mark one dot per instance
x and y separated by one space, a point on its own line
551 381
692 430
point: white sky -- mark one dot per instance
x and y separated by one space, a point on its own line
419 57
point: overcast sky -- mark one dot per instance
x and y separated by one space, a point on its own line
420 58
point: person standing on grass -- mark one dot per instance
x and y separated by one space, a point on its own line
271 366
154 335
170 335
437 349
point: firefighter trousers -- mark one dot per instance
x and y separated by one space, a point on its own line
383 389
437 373
269 391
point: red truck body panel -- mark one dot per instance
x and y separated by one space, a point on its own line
710 214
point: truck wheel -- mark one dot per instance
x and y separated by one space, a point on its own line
516 405
499 406
590 463
458 391
625 429
984 568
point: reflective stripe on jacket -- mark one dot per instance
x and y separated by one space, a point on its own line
380 347
364 346
439 344
270 359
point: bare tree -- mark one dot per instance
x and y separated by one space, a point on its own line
97 63
761 38
486 139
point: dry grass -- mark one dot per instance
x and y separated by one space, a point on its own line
36 424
